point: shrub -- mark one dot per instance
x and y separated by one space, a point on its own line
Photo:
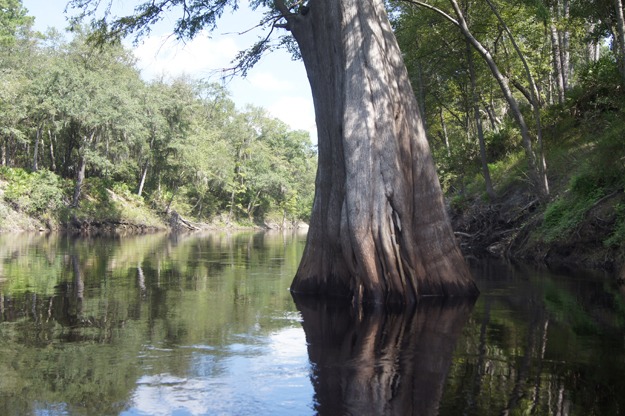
34 193
599 89
502 143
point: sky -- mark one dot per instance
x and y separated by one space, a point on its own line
277 83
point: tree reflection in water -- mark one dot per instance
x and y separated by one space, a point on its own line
384 363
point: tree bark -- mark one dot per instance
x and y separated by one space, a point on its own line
565 44
478 124
52 157
82 166
444 129
620 29
80 178
144 175
35 166
379 230
557 58
592 45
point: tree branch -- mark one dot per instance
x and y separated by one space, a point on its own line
523 90
282 7
434 9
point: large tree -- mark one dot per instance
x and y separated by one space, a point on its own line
379 230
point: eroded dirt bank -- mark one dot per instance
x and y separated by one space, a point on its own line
512 228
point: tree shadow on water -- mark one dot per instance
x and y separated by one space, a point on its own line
373 362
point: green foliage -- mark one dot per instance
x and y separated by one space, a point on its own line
590 156
36 193
600 89
175 143
502 143
566 213
608 161
617 237
12 17
562 216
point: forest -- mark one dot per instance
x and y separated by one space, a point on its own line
83 137
522 101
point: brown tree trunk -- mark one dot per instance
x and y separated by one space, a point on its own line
490 191
557 57
620 30
379 230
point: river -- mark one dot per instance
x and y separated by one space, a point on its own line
204 324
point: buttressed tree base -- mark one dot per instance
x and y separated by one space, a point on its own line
379 229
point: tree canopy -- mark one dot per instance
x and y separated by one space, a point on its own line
83 112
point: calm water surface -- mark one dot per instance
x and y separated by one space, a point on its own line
205 325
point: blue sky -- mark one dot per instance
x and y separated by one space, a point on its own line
277 83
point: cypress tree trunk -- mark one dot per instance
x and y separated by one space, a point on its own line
379 230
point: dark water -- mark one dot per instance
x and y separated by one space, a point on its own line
204 325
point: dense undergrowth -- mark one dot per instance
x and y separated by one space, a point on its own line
42 200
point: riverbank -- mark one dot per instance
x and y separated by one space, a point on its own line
559 232
517 227
581 223
39 202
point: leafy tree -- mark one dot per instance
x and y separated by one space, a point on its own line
89 85
13 17
535 159
16 50
84 113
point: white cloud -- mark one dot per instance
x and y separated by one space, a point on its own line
199 57
277 84
297 111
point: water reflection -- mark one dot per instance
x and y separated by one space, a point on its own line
101 326
374 363
540 343
204 324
